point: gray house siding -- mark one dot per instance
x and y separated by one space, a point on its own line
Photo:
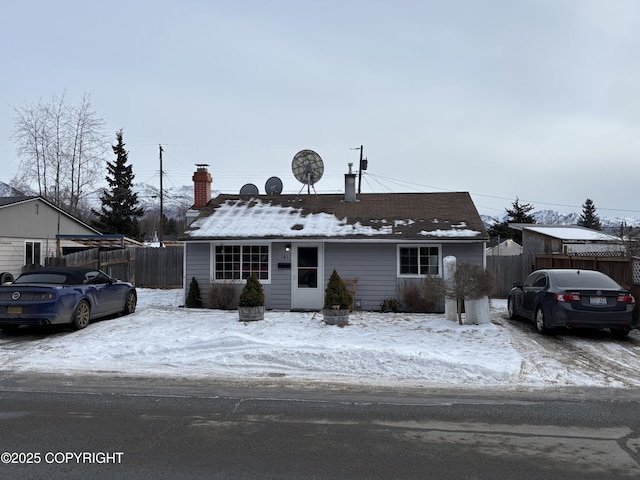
278 293
198 260
373 263
472 253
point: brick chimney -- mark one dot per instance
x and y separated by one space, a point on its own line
201 186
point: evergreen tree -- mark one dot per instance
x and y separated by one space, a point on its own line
119 213
193 297
518 213
336 293
589 218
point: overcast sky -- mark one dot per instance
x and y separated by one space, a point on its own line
536 99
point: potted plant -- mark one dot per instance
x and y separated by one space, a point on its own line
337 301
251 301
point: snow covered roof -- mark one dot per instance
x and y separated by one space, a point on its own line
570 232
397 216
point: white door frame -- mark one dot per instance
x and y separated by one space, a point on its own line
305 297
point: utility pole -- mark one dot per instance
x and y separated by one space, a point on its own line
160 236
360 170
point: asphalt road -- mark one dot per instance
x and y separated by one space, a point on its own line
92 427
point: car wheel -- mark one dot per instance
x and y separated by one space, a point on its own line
81 315
6 277
541 324
619 332
130 304
511 308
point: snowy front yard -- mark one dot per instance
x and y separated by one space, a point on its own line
163 339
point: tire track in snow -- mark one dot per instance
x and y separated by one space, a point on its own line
593 355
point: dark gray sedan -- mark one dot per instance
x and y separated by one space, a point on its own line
568 298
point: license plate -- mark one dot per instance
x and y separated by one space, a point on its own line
14 310
598 300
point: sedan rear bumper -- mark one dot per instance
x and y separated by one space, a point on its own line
563 315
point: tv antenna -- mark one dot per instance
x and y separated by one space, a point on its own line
308 168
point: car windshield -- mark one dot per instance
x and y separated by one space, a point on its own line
58 278
569 280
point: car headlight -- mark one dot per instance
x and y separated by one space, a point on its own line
39 296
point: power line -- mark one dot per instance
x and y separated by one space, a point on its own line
536 202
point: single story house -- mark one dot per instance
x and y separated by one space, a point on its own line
293 242
567 240
508 248
31 230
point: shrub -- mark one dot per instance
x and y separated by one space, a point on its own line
224 296
390 305
336 293
468 283
422 297
252 294
193 296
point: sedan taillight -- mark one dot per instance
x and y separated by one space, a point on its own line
626 299
567 297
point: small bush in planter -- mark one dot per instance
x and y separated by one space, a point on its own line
251 301
193 296
337 301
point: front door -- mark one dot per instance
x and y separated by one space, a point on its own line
307 282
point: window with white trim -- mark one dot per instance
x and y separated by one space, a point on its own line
418 260
32 255
238 262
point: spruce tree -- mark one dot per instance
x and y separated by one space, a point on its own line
518 213
193 297
119 213
589 218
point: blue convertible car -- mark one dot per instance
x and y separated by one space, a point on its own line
71 296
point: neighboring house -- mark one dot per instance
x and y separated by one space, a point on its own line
538 239
567 240
31 229
293 242
508 248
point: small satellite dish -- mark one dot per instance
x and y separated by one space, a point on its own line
249 189
307 167
273 186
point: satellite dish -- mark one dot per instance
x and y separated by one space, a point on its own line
307 167
249 189
273 186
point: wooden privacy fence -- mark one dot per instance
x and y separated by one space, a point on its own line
145 267
506 270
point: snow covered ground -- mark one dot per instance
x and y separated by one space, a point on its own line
163 339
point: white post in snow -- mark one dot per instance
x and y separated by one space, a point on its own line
477 311
450 304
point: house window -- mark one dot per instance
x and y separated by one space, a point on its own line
32 253
419 260
235 262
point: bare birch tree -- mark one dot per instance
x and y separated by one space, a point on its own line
62 149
